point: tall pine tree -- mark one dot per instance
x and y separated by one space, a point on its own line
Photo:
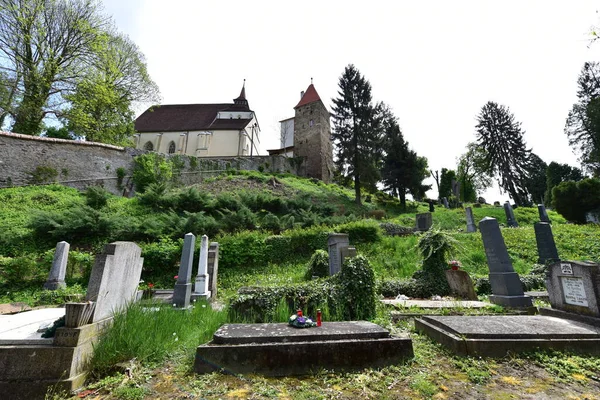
507 158
356 130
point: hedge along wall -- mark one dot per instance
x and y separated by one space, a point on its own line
26 160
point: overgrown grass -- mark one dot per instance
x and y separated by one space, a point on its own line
149 334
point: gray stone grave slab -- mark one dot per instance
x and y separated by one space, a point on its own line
183 286
471 227
445 202
510 216
506 285
461 284
213 267
201 286
424 222
23 328
347 252
280 350
56 278
574 286
543 213
498 335
335 242
115 278
546 246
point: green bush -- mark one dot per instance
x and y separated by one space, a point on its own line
357 289
151 168
318 265
161 259
271 223
395 287
96 197
243 250
193 200
573 200
364 231
436 247
22 271
157 197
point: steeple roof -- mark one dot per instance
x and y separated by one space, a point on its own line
241 99
310 96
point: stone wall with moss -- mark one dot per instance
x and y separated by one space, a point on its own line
28 160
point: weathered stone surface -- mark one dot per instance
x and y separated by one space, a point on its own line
510 216
56 278
347 252
436 304
506 285
24 326
543 213
371 347
574 286
495 336
275 333
115 278
201 285
445 202
546 246
471 227
213 267
335 242
183 286
461 284
424 221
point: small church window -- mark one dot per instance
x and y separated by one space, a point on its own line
311 123
148 146
172 147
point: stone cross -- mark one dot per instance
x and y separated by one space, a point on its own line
546 246
213 267
335 242
506 285
471 227
201 285
115 278
445 201
424 221
183 286
543 213
56 278
510 216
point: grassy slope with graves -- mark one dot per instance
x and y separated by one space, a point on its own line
245 212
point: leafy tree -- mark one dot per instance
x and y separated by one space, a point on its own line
583 122
58 133
403 171
557 173
574 199
506 157
356 129
536 181
8 96
446 179
471 173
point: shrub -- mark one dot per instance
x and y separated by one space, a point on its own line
227 201
157 197
161 258
391 229
364 231
96 197
436 247
120 176
318 265
234 221
376 214
271 222
151 168
43 174
193 200
574 199
357 289
395 287
21 271
243 250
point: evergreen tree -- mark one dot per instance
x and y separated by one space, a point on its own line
536 182
356 130
583 122
506 157
557 173
446 178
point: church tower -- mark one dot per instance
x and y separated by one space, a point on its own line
312 136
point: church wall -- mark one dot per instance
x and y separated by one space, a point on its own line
195 143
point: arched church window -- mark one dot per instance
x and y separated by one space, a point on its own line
148 146
171 147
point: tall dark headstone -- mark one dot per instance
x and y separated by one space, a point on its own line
471 227
543 213
510 216
506 286
424 222
546 246
183 287
431 207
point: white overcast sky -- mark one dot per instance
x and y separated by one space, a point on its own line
436 63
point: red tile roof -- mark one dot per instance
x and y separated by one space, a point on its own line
189 117
310 96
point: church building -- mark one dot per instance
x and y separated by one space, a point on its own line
201 130
307 137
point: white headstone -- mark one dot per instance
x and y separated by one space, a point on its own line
201 286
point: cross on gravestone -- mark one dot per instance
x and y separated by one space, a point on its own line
445 202
510 216
424 221
201 285
183 286
543 213
335 242
545 243
56 278
506 285
213 267
471 227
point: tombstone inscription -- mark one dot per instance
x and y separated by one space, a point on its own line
574 287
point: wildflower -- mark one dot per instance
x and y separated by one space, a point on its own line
176 277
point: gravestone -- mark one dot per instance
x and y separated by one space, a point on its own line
455 188
431 207
461 284
213 267
510 216
506 285
424 222
471 227
115 278
56 278
545 243
201 286
183 287
335 242
445 202
574 287
592 217
543 213
347 252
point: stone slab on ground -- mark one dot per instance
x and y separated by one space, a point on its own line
336 346
538 294
496 336
429 304
23 328
13 308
